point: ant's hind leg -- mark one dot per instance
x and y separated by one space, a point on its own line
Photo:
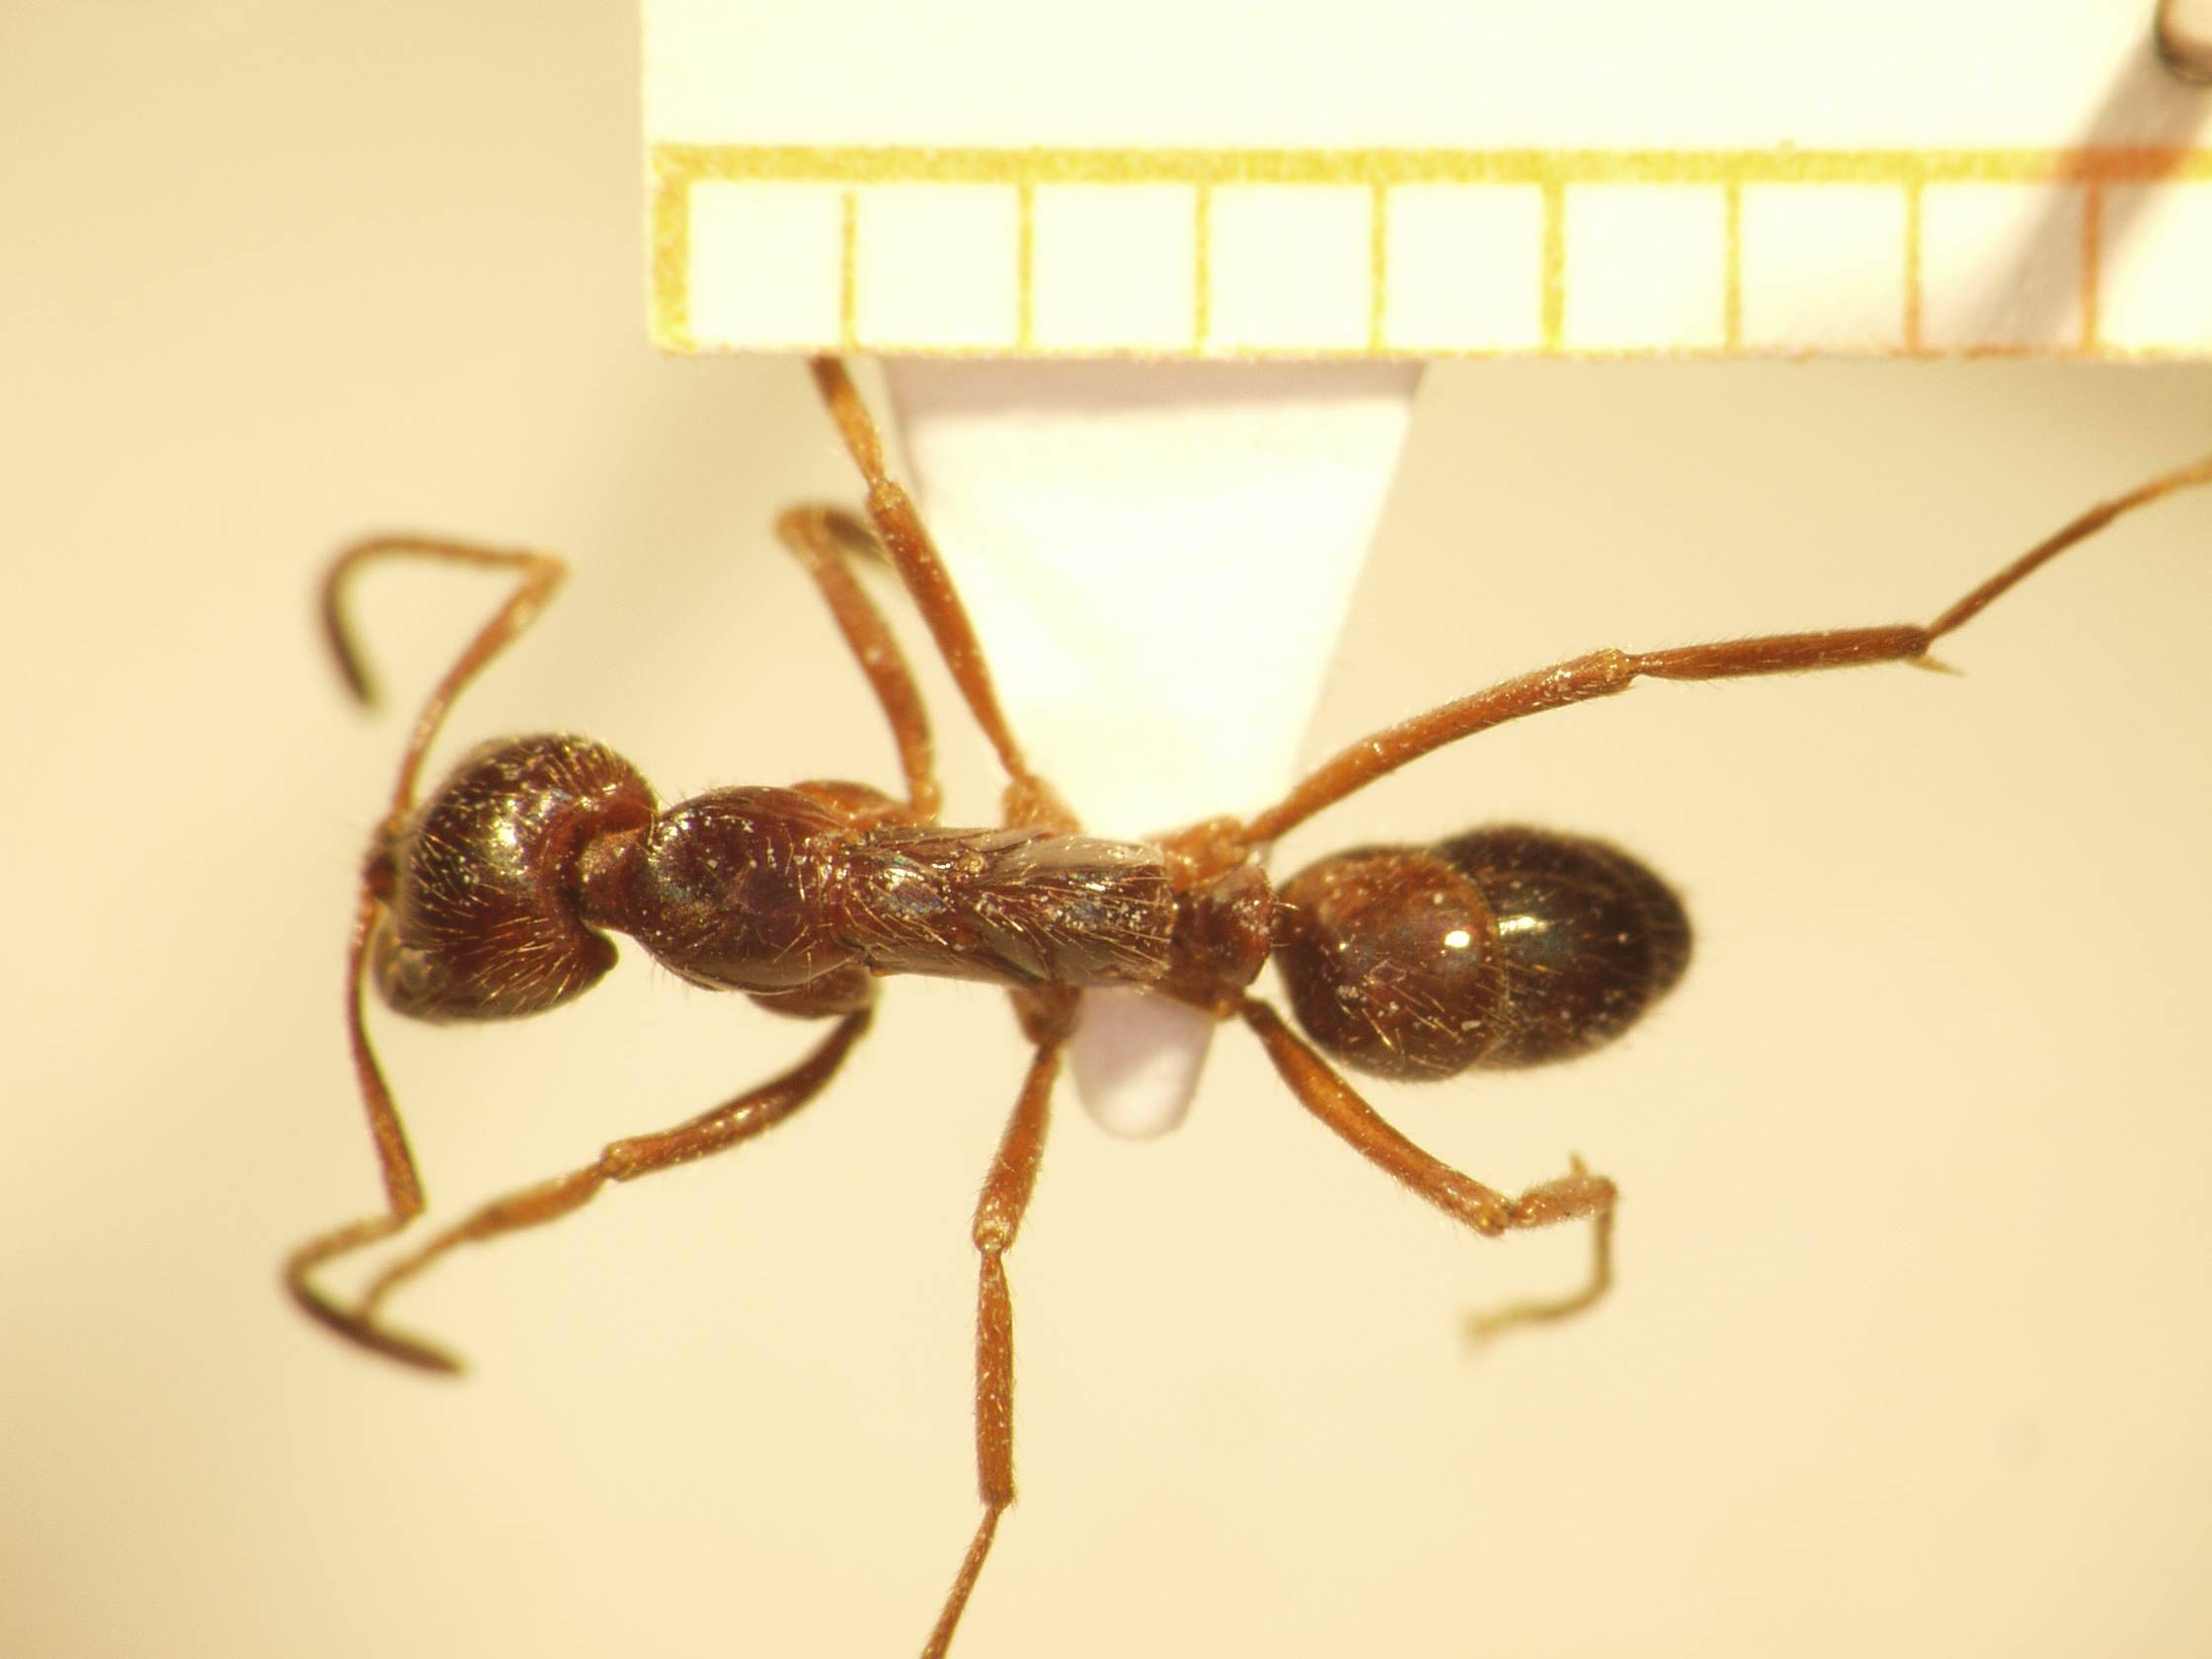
998 1215
1486 1323
1603 673
716 1130
818 538
1575 1196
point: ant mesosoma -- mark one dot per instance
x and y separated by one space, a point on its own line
1502 947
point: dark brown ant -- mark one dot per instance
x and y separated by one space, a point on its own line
1501 947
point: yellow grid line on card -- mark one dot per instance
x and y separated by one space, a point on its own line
848 265
1025 266
1915 215
678 169
1377 268
1732 278
1202 262
1551 268
2093 242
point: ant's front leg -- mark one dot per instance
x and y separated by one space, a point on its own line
1573 1196
403 1185
539 575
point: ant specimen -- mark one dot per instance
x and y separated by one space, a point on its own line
1505 946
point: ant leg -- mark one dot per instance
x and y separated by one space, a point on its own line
403 1187
1481 1326
1322 1090
1603 672
542 574
1029 799
819 537
999 1214
725 1126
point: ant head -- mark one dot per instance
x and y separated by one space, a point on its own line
1506 946
479 883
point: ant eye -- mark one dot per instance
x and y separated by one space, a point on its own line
1391 957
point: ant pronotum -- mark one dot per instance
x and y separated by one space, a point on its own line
1503 947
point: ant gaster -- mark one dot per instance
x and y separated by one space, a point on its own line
1502 947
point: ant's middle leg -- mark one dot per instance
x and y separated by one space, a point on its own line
1573 1196
716 1130
1029 799
820 537
998 1217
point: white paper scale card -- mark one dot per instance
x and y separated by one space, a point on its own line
1406 180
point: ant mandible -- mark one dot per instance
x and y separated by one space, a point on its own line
1505 946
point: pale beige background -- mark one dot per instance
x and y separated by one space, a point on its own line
1913 1337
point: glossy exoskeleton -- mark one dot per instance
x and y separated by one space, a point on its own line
1505 946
